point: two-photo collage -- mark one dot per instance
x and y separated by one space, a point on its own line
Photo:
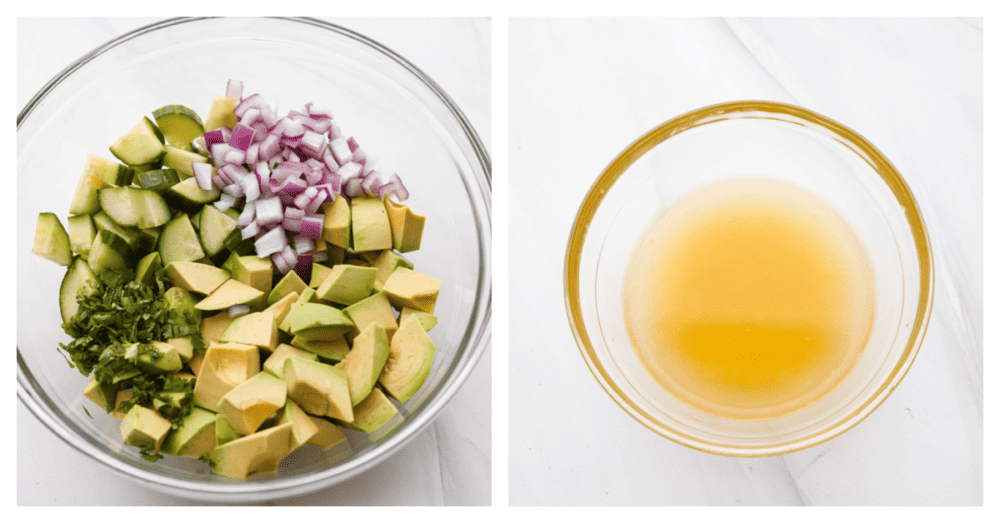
739 262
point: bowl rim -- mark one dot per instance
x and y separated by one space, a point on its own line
727 111
477 339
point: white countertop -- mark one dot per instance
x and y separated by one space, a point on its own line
456 449
581 90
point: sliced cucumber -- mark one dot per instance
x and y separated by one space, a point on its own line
179 242
117 203
79 279
147 267
148 239
109 251
51 240
81 233
104 223
188 197
158 180
85 200
213 229
180 160
142 144
139 169
151 208
179 124
110 171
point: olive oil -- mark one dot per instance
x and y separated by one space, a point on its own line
749 299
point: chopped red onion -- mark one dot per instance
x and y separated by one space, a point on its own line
251 189
270 242
203 175
235 157
341 151
225 202
254 101
303 266
303 245
399 190
234 89
280 263
246 217
352 187
349 170
268 211
312 227
212 138
234 189
242 137
250 230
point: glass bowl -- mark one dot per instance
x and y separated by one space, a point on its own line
392 108
742 139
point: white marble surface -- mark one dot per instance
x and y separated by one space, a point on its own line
582 89
456 449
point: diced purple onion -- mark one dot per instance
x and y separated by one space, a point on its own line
268 211
270 242
234 89
242 137
203 175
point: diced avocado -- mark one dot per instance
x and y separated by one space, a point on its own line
182 307
387 262
145 271
411 354
228 294
319 273
51 240
142 427
373 309
408 288
122 396
370 230
289 283
184 347
327 435
337 222
196 277
275 363
224 430
335 255
225 366
308 296
250 402
100 393
212 327
194 437
85 199
281 307
347 284
407 227
195 362
257 328
81 232
316 321
257 453
329 349
427 320
253 271
155 358
320 389
303 427
220 114
374 412
364 363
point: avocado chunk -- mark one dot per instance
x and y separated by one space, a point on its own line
347 284
195 437
308 296
122 396
408 288
364 363
411 354
155 358
248 404
258 453
327 434
228 294
386 262
427 320
281 307
407 227
100 393
374 309
253 271
181 304
318 388
142 427
196 277
289 283
370 229
319 273
257 328
374 412
332 349
315 321
226 365
224 430
275 363
303 427
337 222
184 347
211 328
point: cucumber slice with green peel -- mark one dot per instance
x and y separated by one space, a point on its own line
188 197
147 267
116 202
180 160
151 208
81 233
139 169
141 145
51 240
79 280
104 223
179 124
85 199
213 229
109 171
179 241
158 180
109 251
148 239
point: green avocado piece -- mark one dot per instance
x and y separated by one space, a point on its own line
411 354
327 435
257 453
147 267
211 328
427 320
347 284
257 328
303 427
248 404
289 283
195 437
184 346
196 277
155 358
308 296
364 363
375 411
319 273
370 229
337 223
142 427
332 349
100 393
224 430
275 363
407 227
225 366
388 261
315 321
318 388
182 307
228 294
253 271
373 309
408 288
